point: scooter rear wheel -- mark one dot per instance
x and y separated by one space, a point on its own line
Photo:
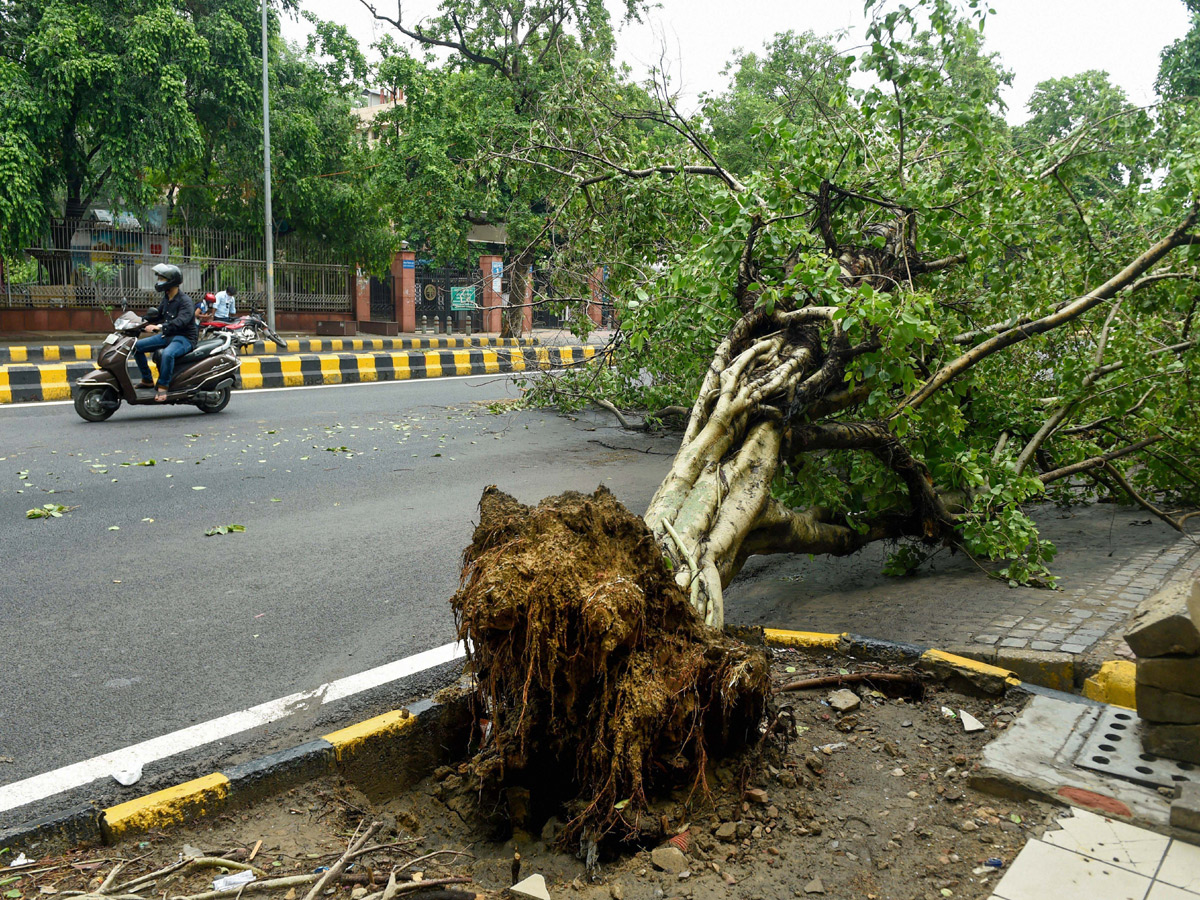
219 405
97 403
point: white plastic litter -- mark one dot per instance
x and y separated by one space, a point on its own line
21 860
237 879
128 776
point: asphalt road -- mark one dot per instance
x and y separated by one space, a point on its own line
122 621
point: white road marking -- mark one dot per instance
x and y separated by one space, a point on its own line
48 784
26 404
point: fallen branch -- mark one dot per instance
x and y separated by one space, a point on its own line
806 684
336 869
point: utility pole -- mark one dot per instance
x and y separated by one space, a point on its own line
270 241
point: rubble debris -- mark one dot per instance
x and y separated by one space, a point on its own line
970 723
844 700
533 886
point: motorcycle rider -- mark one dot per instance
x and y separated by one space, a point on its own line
175 332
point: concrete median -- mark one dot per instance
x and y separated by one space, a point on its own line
52 381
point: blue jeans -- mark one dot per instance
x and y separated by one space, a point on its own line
172 348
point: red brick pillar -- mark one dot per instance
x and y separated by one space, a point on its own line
596 289
527 310
362 295
492 269
404 284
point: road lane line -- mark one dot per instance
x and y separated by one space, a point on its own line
28 404
39 787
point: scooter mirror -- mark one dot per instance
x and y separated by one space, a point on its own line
152 313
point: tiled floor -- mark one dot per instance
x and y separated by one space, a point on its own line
1094 858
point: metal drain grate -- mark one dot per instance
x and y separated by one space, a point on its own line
1115 748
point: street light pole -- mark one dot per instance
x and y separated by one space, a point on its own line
270 242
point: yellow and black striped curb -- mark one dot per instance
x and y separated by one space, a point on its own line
24 383
392 751
397 749
40 353
358 345
1113 683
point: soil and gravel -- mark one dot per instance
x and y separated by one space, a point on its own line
869 803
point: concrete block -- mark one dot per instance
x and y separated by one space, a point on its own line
1156 705
268 774
69 828
1185 808
1180 742
1165 622
1045 667
1114 683
1179 674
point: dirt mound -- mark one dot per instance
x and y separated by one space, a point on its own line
599 680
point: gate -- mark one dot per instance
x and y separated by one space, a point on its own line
451 294
383 299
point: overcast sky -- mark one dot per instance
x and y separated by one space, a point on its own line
1036 39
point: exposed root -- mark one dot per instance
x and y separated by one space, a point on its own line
600 680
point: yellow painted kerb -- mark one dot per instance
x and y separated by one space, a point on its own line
974 665
801 639
166 807
54 382
1115 683
347 741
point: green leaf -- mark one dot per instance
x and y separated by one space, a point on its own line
621 804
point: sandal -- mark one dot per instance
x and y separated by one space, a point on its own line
160 396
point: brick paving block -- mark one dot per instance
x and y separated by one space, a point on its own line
985 638
1072 648
1185 809
1015 643
1170 674
1043 645
1181 742
1156 705
1165 622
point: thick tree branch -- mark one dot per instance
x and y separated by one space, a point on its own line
1097 462
1178 237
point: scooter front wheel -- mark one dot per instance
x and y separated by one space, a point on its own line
97 403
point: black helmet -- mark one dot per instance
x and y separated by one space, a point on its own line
170 275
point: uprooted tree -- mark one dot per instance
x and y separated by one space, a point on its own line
902 323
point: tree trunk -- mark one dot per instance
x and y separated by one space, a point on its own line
512 319
770 377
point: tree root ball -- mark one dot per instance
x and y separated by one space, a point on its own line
600 681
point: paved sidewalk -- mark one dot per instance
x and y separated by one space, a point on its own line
1110 558
1090 857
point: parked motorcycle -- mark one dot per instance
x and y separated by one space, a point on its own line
245 330
204 378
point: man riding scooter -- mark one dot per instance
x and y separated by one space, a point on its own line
175 332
